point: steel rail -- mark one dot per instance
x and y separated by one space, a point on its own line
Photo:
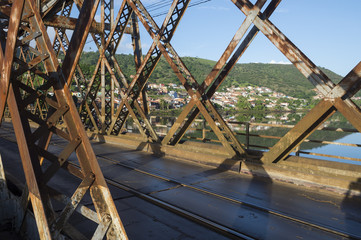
229 232
231 199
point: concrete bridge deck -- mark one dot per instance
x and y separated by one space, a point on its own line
163 198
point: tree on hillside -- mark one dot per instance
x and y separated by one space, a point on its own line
163 104
259 105
243 103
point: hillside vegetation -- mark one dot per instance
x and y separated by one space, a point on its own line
281 78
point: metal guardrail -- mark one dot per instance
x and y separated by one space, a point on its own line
248 133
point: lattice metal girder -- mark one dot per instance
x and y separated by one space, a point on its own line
106 58
299 59
221 69
78 40
112 42
131 112
78 76
338 99
62 107
161 40
122 114
69 23
61 42
7 59
144 70
60 32
150 60
339 94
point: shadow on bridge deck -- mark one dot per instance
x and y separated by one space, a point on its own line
258 207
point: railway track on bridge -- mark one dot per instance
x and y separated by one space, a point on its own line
230 232
209 223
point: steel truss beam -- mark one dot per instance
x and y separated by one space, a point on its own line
61 44
41 108
26 26
108 78
123 110
60 21
136 87
336 97
95 117
139 114
221 69
138 58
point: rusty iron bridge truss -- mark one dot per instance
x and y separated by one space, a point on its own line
34 87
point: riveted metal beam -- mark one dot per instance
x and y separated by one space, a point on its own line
221 69
338 99
33 143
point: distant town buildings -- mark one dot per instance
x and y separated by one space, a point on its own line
172 96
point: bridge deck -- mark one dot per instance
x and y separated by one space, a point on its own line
214 203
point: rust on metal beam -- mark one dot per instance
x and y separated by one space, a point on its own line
78 39
7 60
70 23
338 99
33 144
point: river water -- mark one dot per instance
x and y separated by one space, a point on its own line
337 121
344 151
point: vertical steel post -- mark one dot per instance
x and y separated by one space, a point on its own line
247 135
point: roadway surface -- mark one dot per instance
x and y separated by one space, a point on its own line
162 198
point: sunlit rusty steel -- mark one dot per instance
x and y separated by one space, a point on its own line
149 63
338 99
107 44
217 76
6 63
220 66
33 144
29 65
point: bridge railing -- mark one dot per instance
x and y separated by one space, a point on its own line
254 136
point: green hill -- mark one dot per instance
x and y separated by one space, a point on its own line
281 78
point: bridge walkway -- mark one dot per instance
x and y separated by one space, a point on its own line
164 198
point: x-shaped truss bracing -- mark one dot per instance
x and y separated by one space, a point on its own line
135 89
42 74
336 97
214 80
25 26
200 98
110 75
61 44
162 46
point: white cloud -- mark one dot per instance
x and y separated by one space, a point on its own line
280 62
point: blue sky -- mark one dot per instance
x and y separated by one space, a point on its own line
328 32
